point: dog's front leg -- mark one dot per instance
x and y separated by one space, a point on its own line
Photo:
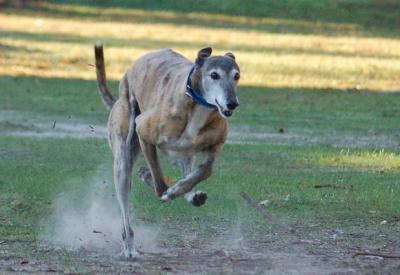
150 153
196 198
186 184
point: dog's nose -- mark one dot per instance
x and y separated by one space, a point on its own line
232 105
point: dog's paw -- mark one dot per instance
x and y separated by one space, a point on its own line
169 194
166 197
145 175
199 198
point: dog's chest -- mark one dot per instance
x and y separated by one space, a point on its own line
195 135
196 123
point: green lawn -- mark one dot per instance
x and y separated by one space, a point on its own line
37 171
317 69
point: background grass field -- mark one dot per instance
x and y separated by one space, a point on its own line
326 72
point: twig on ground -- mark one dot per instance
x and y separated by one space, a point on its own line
363 253
97 232
335 186
264 212
312 242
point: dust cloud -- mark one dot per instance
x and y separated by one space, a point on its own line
87 216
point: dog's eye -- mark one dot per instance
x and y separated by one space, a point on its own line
237 76
215 76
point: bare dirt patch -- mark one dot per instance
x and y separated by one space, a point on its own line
237 135
54 130
257 135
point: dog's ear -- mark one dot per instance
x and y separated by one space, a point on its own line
202 56
230 55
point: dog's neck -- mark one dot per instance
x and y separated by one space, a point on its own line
195 80
194 89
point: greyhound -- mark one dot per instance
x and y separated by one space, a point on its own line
167 102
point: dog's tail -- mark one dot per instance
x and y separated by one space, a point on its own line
105 93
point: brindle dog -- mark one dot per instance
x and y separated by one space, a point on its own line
167 102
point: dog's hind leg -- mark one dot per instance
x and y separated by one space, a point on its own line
186 164
196 198
145 175
123 182
126 148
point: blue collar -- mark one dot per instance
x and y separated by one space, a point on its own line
196 96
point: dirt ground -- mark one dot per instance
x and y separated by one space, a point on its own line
312 250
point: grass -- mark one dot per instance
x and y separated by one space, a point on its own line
319 69
268 172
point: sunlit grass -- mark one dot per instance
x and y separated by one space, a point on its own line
372 160
62 47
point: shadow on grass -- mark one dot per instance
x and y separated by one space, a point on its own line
153 44
355 18
8 48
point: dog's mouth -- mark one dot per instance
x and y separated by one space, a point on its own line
224 112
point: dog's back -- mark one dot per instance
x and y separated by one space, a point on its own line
153 75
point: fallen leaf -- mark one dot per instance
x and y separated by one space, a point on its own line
169 181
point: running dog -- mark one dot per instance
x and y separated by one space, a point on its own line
168 103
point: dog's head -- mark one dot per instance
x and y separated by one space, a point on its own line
218 77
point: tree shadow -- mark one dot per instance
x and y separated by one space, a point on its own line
7 48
